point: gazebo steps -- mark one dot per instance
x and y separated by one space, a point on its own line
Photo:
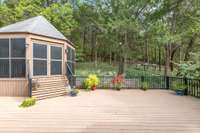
53 84
50 87
50 95
39 92
45 88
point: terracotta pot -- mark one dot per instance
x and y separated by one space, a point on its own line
94 88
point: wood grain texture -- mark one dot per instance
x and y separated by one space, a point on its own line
13 87
101 111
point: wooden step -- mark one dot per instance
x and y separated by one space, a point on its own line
38 92
50 92
50 87
50 95
52 81
46 78
53 87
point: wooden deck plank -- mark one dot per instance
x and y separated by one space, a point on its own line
126 111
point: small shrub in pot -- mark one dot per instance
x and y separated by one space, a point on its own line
145 86
179 88
118 81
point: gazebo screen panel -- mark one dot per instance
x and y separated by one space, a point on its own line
56 60
12 57
39 59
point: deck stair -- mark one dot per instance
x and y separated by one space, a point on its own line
49 87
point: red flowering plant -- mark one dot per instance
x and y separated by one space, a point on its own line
118 81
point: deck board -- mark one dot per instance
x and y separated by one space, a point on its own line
126 111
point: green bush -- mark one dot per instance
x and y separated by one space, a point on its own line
91 81
178 86
28 102
145 86
83 85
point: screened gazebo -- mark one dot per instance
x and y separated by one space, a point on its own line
35 59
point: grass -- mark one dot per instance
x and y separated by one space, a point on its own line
87 68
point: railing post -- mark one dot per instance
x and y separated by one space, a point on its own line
30 86
186 83
167 82
142 80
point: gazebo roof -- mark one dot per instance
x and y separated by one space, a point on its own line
36 25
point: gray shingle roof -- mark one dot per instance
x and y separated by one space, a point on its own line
36 25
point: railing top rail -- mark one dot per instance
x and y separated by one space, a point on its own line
146 76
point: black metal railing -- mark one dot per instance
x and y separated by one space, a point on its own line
154 82
30 87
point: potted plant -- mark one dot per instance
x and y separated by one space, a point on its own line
118 81
74 92
145 86
179 88
91 82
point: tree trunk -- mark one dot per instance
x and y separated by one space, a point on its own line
172 53
171 61
159 58
155 58
146 52
121 66
95 52
189 48
167 59
93 45
84 41
122 61
110 58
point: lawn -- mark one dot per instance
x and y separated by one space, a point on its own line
100 69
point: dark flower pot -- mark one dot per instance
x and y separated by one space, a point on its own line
73 94
118 89
180 92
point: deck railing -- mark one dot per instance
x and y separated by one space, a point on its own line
154 82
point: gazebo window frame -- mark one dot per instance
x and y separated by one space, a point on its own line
41 59
71 58
56 60
70 65
10 58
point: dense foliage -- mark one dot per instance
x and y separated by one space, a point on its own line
162 32
190 68
91 81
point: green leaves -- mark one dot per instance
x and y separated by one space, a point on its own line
61 16
6 16
190 68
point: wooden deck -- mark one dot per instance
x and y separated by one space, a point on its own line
104 111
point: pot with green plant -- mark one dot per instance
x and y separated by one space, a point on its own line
145 86
91 82
74 92
179 88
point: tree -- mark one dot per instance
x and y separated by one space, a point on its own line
61 16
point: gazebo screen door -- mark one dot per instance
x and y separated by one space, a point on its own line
71 66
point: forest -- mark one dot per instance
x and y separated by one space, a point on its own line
165 33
